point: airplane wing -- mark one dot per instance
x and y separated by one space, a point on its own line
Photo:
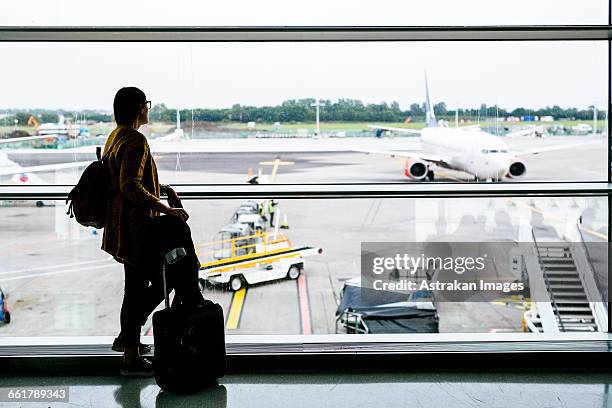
544 149
407 154
44 167
395 129
520 133
25 139
470 127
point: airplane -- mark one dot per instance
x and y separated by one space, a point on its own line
582 129
24 175
20 175
467 149
25 139
178 133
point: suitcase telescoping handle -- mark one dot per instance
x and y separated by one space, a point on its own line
171 257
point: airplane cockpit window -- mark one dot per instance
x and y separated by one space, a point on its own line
485 151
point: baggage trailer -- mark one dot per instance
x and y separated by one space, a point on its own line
241 260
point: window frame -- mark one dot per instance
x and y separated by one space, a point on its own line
346 344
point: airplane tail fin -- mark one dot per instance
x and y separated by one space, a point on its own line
430 117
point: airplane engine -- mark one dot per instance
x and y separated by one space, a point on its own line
416 169
517 169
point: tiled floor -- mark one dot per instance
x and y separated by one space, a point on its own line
446 389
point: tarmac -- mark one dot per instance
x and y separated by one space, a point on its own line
59 282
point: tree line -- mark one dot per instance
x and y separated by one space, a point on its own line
301 110
351 110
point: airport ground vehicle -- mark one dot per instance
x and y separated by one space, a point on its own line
241 277
248 207
363 311
248 213
5 315
254 221
239 260
234 240
245 252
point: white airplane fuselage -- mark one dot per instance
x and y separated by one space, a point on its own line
472 151
18 177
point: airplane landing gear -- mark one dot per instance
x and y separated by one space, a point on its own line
430 175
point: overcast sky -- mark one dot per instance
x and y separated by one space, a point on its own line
511 74
302 12
86 76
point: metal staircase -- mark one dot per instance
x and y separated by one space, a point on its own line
568 298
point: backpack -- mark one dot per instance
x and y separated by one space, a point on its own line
90 198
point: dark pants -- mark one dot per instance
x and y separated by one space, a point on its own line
143 281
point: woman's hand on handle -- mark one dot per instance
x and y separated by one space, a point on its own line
179 213
173 212
173 199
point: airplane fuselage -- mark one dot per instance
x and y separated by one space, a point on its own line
472 151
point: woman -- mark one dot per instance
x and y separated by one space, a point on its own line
135 233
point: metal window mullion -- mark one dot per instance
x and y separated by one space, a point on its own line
609 156
296 34
318 191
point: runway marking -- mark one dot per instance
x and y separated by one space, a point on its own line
21 245
305 316
35 275
38 268
537 210
277 162
509 304
236 307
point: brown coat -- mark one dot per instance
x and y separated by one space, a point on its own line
133 175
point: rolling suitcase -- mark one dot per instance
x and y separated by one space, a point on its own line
189 342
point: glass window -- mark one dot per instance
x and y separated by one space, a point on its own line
59 282
225 112
304 13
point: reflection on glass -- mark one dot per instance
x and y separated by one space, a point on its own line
297 273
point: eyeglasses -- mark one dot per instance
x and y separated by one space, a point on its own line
148 103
